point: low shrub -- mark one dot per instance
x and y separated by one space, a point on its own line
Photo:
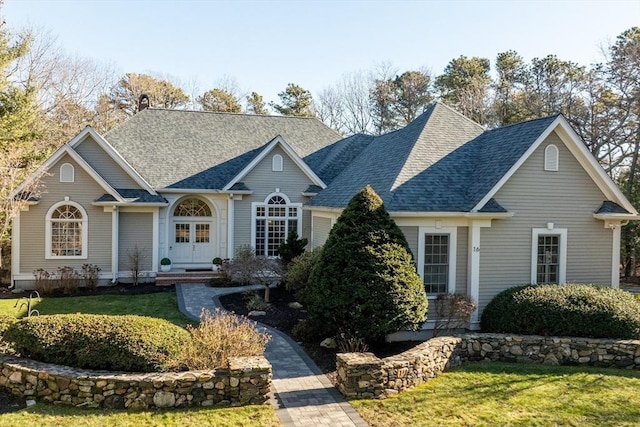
118 343
5 322
298 272
221 335
292 247
564 310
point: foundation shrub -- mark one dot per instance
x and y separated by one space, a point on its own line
118 343
221 335
564 310
365 283
297 276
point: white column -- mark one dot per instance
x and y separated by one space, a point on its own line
114 242
473 278
615 256
15 247
230 226
155 242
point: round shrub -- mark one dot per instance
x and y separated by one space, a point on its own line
116 343
564 310
5 322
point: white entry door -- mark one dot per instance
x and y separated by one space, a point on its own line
193 242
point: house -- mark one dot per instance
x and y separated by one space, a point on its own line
481 210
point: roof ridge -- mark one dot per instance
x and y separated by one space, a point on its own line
459 114
228 113
525 122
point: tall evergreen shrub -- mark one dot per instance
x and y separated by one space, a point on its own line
365 283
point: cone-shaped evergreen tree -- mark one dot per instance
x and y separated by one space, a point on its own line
365 283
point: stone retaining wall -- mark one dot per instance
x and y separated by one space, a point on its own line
246 381
364 375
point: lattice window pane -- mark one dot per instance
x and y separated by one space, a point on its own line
66 238
548 259
182 233
275 236
260 236
202 233
277 200
436 263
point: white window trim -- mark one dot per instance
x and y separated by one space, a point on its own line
277 163
551 164
562 270
85 231
254 205
453 251
70 167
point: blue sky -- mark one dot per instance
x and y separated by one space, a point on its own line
266 44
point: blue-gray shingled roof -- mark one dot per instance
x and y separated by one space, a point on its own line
609 207
133 195
202 150
440 162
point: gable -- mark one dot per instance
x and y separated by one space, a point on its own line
570 188
84 187
263 179
104 164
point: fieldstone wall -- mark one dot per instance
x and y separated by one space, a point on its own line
365 375
246 381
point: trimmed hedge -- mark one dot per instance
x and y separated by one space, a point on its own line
116 343
5 322
564 310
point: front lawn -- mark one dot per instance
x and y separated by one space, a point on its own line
54 415
162 305
490 394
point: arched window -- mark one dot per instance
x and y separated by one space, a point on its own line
273 221
67 173
276 163
551 158
192 207
66 231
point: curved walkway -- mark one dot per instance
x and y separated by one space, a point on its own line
302 394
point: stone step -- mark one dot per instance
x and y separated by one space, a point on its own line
173 277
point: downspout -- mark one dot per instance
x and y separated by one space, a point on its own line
115 231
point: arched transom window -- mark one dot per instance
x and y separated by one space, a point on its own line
273 221
66 231
192 207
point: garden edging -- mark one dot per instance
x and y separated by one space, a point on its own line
247 380
363 375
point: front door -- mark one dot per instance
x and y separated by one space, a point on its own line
192 243
193 238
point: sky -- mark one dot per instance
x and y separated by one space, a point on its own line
264 45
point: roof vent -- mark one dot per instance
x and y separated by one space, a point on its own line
143 102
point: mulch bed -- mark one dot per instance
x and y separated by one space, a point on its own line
282 317
117 289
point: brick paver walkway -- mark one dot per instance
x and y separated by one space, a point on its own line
302 394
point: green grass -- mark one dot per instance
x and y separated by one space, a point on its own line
50 415
500 394
162 305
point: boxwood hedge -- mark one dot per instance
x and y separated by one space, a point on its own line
564 310
117 343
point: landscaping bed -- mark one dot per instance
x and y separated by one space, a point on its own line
117 289
282 317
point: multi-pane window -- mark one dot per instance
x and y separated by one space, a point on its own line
202 233
66 231
182 233
436 263
548 259
274 220
192 207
